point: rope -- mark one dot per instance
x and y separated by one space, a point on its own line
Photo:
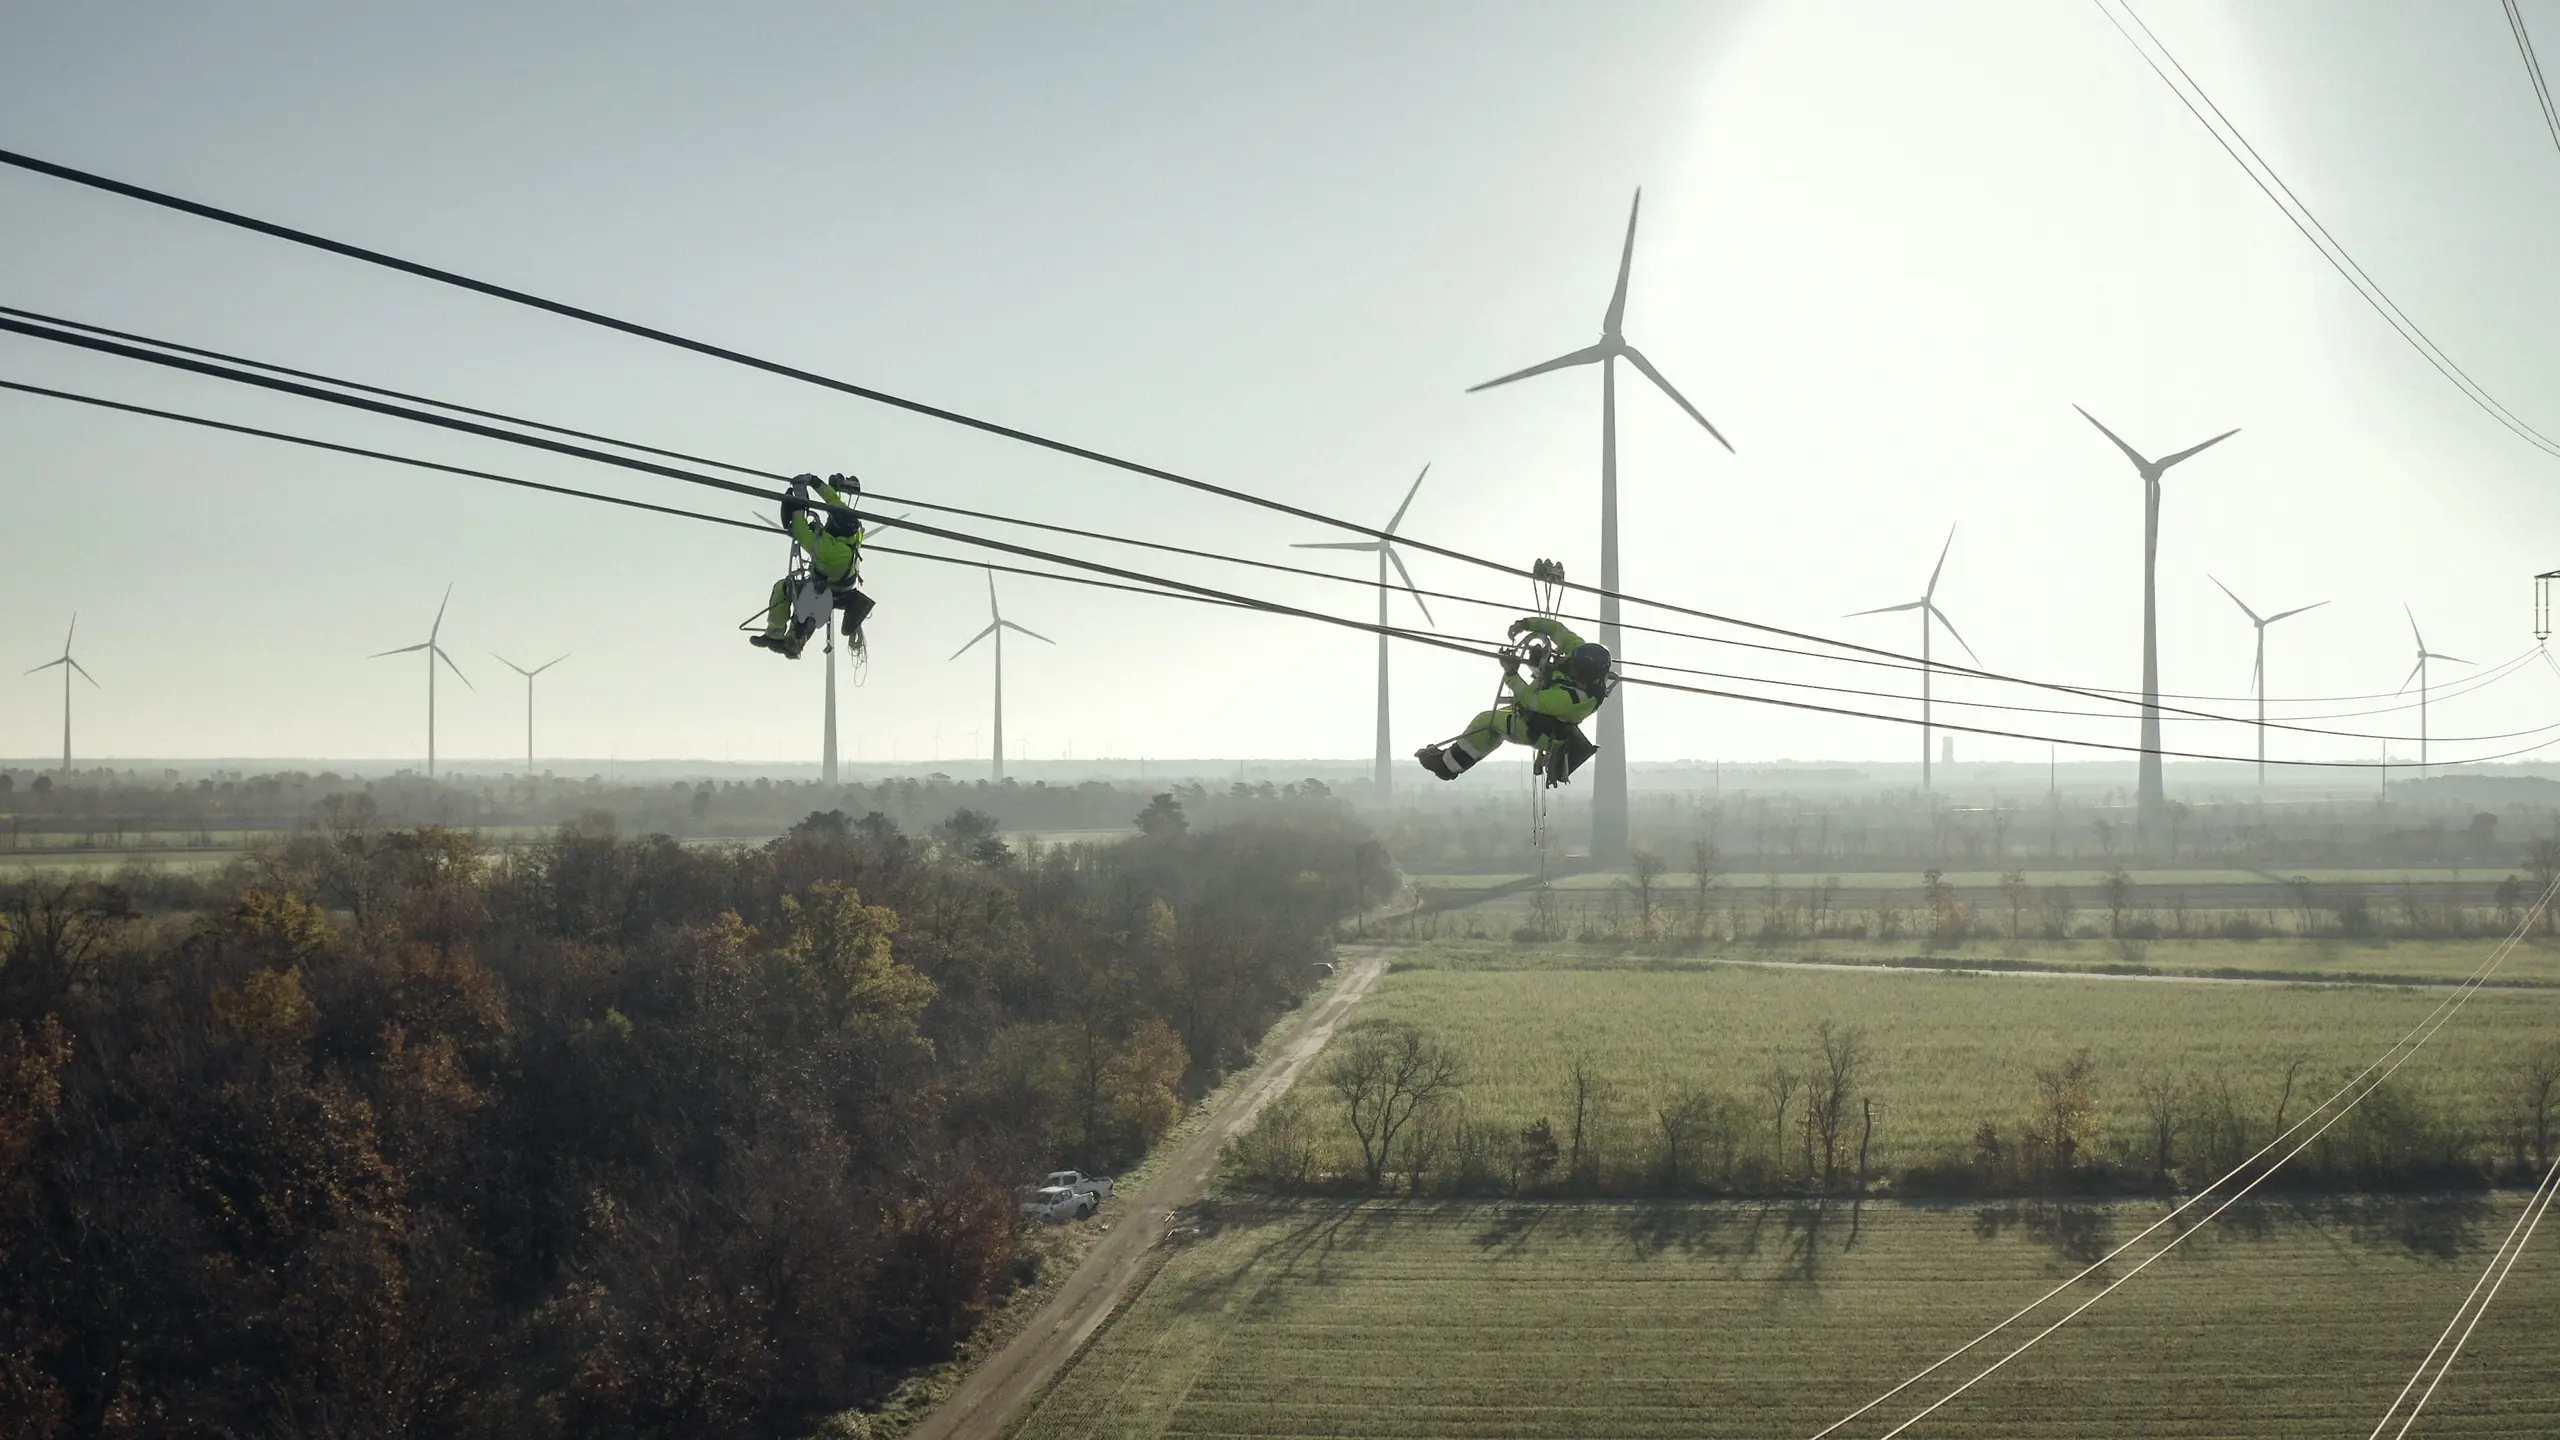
2388 1063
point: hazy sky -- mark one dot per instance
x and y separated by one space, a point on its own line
1885 247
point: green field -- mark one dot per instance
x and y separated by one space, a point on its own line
1526 1321
1950 1051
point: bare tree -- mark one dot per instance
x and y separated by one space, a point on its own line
2532 1104
1645 872
2066 1113
1777 1086
2013 888
1431 1133
1383 1074
1705 864
1587 1101
2168 1102
2117 889
2542 857
1839 1064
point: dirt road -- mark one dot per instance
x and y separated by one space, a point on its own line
981 1405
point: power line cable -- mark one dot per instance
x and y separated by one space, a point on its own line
1166 585
10 321
2387 1065
2493 1276
2533 71
448 277
2264 176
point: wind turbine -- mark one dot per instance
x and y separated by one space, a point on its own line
528 701
1386 555
2258 672
1927 605
2418 674
435 652
68 665
1609 785
2152 811
996 626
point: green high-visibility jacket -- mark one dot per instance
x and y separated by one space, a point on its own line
1553 693
838 558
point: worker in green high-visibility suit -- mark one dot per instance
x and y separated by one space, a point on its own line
834 547
1545 710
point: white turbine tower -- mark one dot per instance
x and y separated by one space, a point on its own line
1609 783
996 626
1387 555
435 652
2419 675
528 700
1930 617
2152 809
2258 671
68 667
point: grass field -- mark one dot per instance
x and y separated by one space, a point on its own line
1949 1051
1349 1320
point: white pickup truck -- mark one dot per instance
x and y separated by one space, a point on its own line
1056 1202
1097 1186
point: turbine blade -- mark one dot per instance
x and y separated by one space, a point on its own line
1587 355
974 639
992 612
1941 567
1885 609
2129 452
93 680
403 650
510 664
2413 626
2168 460
2244 605
1636 357
1617 315
2432 655
538 669
2296 610
876 526
438 652
73 630
1027 630
2257 674
1408 501
1951 629
1409 586
1369 545
447 600
2414 672
49 664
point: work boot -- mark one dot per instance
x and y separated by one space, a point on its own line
1446 762
765 642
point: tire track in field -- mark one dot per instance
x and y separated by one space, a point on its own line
985 1401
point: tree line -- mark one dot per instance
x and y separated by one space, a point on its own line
1388 1113
605 1135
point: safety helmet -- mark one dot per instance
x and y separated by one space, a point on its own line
842 522
1589 666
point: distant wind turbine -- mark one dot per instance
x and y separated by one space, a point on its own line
996 626
2152 809
435 652
2419 675
1609 784
68 666
528 700
2258 672
1927 605
1387 555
